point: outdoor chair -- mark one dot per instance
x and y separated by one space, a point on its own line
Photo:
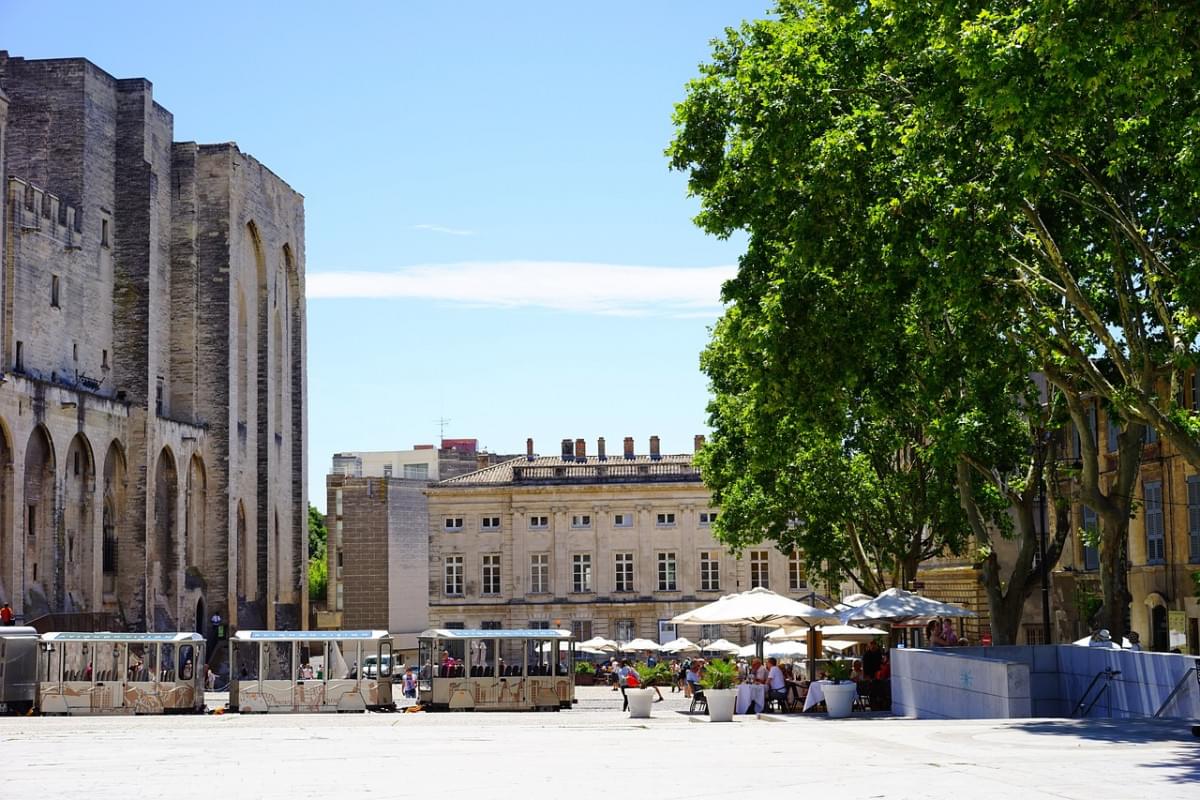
862 696
779 698
698 701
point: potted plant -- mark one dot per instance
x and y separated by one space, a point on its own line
839 690
641 698
585 673
719 681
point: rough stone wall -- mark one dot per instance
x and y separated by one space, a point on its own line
123 391
365 505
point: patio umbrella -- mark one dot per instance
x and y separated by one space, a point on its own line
721 646
598 644
899 606
641 645
851 633
681 645
758 606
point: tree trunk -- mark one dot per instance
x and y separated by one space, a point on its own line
1113 533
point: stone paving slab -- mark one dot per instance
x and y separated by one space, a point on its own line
595 750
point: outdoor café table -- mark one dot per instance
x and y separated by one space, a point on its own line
815 694
747 693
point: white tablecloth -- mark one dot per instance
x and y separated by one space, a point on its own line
748 692
815 694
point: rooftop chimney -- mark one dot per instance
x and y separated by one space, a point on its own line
629 447
698 442
529 449
567 450
580 450
600 449
654 455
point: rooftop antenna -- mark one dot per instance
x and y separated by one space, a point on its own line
442 422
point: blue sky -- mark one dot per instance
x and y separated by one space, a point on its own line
493 235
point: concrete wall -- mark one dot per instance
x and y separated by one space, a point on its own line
957 683
948 684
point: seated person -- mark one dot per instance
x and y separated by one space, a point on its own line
856 672
776 683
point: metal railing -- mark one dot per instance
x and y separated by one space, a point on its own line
1105 690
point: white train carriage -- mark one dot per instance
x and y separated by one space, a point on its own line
121 673
310 671
496 670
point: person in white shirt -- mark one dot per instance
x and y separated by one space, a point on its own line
776 683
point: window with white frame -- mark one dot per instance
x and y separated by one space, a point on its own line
710 571
454 524
539 573
1155 541
454 575
667 575
759 572
539 522
491 573
489 524
581 520
581 572
416 472
622 520
665 519
625 630
707 518
710 633
581 629
797 580
623 572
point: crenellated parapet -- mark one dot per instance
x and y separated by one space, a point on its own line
36 210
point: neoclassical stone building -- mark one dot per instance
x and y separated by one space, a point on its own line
152 342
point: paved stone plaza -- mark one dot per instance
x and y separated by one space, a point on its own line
594 751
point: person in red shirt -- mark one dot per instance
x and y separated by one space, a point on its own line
6 614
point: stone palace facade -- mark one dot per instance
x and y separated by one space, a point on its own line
152 344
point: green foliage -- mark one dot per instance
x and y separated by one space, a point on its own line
1196 584
584 668
719 674
1087 602
657 675
838 670
318 567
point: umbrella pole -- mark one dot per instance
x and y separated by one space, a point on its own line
812 662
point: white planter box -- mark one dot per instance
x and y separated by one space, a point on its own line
720 704
839 698
640 701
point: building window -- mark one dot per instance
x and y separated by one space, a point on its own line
539 523
665 520
539 573
539 624
710 633
416 472
103 233
454 523
759 572
54 291
581 573
707 518
20 365
1114 430
581 520
622 520
667 576
623 578
491 573
1090 533
387 470
1152 491
797 580
625 630
1035 634
581 629
454 575
491 625
1193 498
490 524
1150 436
337 502
340 595
710 572
103 359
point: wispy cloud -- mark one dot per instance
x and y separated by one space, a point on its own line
443 229
579 287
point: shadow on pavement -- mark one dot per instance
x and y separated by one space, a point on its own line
1185 757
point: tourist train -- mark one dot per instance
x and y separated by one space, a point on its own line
75 673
